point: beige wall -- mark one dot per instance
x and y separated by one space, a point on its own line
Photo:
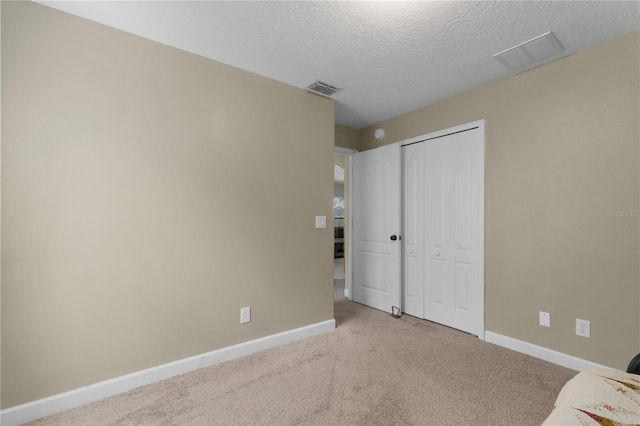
347 137
561 151
147 197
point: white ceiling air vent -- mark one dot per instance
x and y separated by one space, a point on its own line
530 52
323 88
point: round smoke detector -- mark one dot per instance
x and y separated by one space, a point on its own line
379 134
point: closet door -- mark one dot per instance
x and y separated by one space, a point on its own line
454 172
413 230
436 217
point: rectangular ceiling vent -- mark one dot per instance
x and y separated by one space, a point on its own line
323 88
530 52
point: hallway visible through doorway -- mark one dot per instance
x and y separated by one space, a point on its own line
338 279
340 222
338 268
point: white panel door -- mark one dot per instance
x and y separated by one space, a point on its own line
376 227
413 230
454 168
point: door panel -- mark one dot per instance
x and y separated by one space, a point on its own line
462 197
413 230
462 280
411 281
453 178
438 292
438 287
436 159
467 173
374 267
374 201
376 217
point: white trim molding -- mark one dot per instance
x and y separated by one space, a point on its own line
346 293
57 403
541 352
344 151
481 230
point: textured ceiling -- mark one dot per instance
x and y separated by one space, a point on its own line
389 57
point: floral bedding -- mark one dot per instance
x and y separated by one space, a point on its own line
598 397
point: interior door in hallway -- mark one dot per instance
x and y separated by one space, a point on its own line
376 227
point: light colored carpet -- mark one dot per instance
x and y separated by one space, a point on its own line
373 369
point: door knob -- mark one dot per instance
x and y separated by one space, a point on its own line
393 238
438 254
410 251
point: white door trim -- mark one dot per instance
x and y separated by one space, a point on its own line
345 151
480 124
348 277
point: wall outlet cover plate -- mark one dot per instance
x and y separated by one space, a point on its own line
545 319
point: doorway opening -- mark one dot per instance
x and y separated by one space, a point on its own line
339 226
342 223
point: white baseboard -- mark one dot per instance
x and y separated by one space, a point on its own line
541 352
57 403
346 293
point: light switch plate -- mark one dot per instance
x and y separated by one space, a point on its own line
321 221
545 319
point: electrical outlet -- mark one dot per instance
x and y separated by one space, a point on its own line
545 319
583 328
245 315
